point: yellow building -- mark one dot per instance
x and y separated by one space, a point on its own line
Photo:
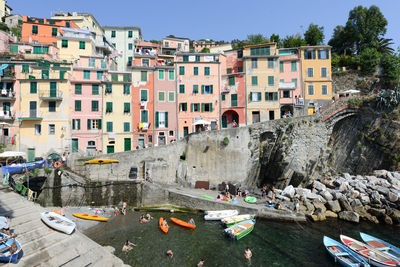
262 82
117 113
316 77
44 109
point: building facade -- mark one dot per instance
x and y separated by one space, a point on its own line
172 45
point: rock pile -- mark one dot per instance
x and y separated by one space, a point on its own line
375 198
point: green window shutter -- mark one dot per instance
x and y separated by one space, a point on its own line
89 124
64 43
295 82
73 124
191 107
195 71
181 70
127 89
99 123
202 107
109 126
254 80
130 34
270 80
143 95
45 74
86 74
103 64
161 74
78 106
82 45
108 88
99 75
53 89
52 106
195 88
14 48
275 96
92 62
113 34
259 96
202 89
130 46
144 116
185 58
33 87
293 65
95 89
127 107
109 107
206 71
143 76
126 127
62 74
232 80
78 89
211 89
35 29
157 120
181 88
223 97
266 96
234 100
95 105
166 119
211 108
171 75
79 124
281 67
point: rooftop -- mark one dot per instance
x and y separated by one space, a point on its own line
176 38
259 45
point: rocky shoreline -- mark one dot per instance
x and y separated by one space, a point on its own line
374 198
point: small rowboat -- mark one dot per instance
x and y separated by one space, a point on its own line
9 248
182 223
219 214
342 254
90 217
240 230
381 245
228 221
163 228
373 256
250 199
101 161
58 222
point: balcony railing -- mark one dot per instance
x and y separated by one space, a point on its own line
7 94
7 115
50 95
31 115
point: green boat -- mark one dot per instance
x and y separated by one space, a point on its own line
250 199
241 229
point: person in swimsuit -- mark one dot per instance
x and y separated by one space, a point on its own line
248 254
297 205
128 246
264 191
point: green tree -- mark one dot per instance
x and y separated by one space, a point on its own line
205 50
314 35
257 39
390 65
384 46
340 42
275 38
293 41
368 59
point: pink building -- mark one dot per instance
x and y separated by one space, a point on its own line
5 39
233 90
86 112
171 45
290 81
164 105
198 91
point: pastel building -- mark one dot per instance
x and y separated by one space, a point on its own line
200 45
117 112
262 82
198 91
124 39
5 10
171 45
233 90
316 76
165 129
291 97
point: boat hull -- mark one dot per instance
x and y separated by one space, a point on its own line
240 230
101 161
163 228
349 260
5 256
90 217
182 223
229 221
381 245
58 222
218 215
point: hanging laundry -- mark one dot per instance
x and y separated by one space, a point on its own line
3 67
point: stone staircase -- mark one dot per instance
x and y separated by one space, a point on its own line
43 246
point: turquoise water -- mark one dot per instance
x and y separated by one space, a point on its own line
272 243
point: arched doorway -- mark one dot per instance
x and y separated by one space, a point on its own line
228 117
288 110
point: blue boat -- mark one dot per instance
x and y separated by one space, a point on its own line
342 254
22 167
381 245
6 242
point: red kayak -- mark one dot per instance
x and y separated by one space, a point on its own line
163 228
182 223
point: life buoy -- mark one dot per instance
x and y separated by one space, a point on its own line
13 140
57 164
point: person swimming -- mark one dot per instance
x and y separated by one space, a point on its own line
191 221
170 253
248 254
127 246
143 219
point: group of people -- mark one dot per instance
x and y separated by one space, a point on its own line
265 194
124 209
145 218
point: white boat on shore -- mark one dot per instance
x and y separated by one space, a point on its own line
219 214
228 221
58 222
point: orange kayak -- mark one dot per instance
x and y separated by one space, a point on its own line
90 217
182 223
163 228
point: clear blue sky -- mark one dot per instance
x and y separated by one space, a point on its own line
216 19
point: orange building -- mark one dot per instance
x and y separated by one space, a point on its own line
43 30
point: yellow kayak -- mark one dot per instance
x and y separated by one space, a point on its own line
101 161
90 217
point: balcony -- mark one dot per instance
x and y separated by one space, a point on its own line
32 115
285 85
7 94
8 74
7 115
50 95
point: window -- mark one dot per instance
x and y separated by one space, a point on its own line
76 124
40 50
281 69
271 63
270 80
206 107
143 95
207 89
62 74
103 64
95 105
108 88
286 94
309 54
93 124
185 58
52 129
146 62
195 71
143 76
260 51
33 87
38 129
109 126
109 107
130 46
311 90
113 34
35 29
254 80
206 71
255 97
82 45
78 89
86 74
161 74
323 54
161 96
64 43
240 53
293 65
127 107
171 133
323 73
67 24
52 106
195 88
130 59
45 74
197 58
166 44
182 106
130 34
229 70
144 116
171 96
223 97
234 100
114 77
295 82
92 62
324 89
25 68
254 63
310 72
78 105
127 127
127 89
232 80
171 75
114 44
179 46
14 48
195 107
181 88
54 32
99 75
282 80
271 96
240 69
91 143
181 70
95 89
161 119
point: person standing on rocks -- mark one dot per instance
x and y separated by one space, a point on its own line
264 191
297 205
273 190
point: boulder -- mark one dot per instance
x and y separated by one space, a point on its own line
387 219
372 180
289 191
283 198
364 199
396 175
312 196
347 176
377 212
344 186
380 173
330 214
336 195
333 205
309 207
326 195
385 183
375 198
319 205
302 192
371 218
338 181
344 204
392 179
394 214
318 215
349 216
392 197
319 186
353 194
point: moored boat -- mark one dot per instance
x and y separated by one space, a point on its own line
58 222
228 221
101 161
381 245
342 254
163 228
9 248
90 217
219 214
373 256
182 223
240 230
